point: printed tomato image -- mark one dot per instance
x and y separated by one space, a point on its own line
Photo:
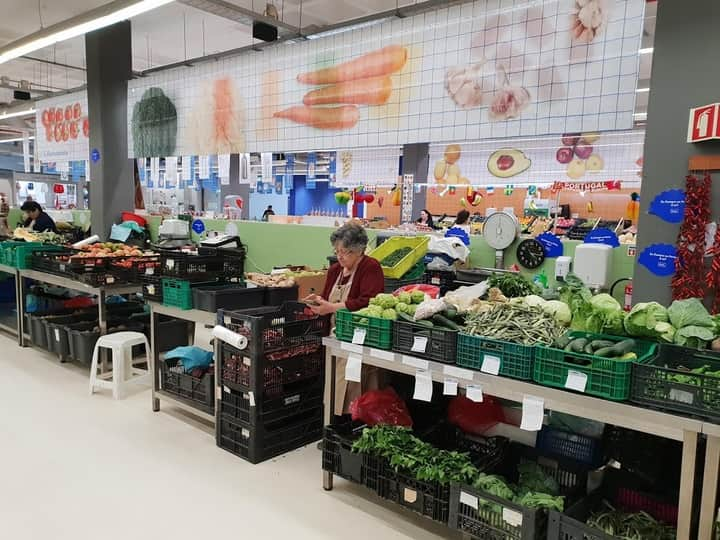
74 130
86 127
68 113
46 118
77 111
65 132
57 131
49 133
58 115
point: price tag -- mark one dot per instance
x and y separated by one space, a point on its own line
469 500
357 349
57 334
353 368
415 362
460 373
450 387
170 264
419 344
251 398
151 289
409 495
576 380
423 385
359 336
491 364
226 389
474 393
110 280
511 517
435 280
149 271
533 411
682 396
383 355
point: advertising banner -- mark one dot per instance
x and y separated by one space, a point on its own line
63 128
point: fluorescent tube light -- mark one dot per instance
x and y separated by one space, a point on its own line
648 50
114 12
5 116
640 116
20 139
640 90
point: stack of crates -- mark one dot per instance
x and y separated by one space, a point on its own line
272 389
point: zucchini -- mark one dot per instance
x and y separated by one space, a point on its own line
623 347
439 320
451 313
578 345
405 317
562 341
606 352
600 343
589 348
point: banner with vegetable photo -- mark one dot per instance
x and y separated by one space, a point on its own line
63 128
479 70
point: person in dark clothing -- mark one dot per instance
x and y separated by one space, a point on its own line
267 213
425 219
37 218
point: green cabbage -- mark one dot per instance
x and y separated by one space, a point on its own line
401 307
405 297
385 300
558 309
689 312
389 314
606 315
649 319
418 297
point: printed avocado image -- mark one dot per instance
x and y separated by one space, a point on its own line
507 162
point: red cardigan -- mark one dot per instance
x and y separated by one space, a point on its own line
368 281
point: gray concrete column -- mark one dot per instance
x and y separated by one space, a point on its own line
685 74
416 158
109 67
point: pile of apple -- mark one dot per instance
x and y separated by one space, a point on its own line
577 154
108 249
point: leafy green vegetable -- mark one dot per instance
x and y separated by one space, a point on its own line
558 309
577 296
512 285
649 319
689 312
606 316
695 337
534 479
395 257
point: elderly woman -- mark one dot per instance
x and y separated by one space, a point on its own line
350 283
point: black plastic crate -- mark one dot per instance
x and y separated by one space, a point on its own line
37 325
428 498
152 288
227 296
170 333
625 493
82 342
278 332
191 267
263 441
133 269
445 279
338 457
297 398
431 343
561 443
277 296
266 378
199 390
57 335
667 382
393 284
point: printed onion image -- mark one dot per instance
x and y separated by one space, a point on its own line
509 101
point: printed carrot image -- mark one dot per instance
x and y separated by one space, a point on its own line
344 117
374 91
374 64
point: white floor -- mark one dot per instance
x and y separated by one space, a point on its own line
75 467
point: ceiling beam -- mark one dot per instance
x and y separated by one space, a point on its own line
52 63
238 14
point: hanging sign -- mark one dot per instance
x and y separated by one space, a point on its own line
267 167
659 259
204 168
289 169
171 172
198 226
669 205
607 185
602 236
704 123
551 244
310 177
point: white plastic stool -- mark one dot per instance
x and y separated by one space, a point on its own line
123 371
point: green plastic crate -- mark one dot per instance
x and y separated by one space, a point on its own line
607 378
378 332
18 254
177 293
516 360
419 245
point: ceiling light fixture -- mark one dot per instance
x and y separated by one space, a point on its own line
19 139
640 116
641 90
106 15
6 115
647 50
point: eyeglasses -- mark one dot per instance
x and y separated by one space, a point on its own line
342 252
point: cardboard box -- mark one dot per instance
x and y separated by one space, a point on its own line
309 284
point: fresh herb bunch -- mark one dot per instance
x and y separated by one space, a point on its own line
513 285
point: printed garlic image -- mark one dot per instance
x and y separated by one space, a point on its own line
464 85
589 19
217 120
509 101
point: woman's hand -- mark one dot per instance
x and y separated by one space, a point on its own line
323 307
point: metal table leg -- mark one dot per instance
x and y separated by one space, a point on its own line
154 358
687 484
102 323
330 369
709 490
20 300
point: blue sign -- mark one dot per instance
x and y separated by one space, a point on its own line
602 236
310 177
95 155
659 259
669 205
551 244
198 226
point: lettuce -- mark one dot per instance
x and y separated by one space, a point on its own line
649 319
689 312
606 315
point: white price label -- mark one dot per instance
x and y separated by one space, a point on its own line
469 500
110 280
474 393
423 385
435 281
576 380
149 271
353 368
682 396
170 264
359 336
533 412
419 344
151 289
491 364
450 387
512 517
226 389
251 398
57 334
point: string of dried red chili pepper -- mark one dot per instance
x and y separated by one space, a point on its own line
712 279
689 280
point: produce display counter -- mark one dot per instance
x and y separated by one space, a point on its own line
625 415
60 281
193 316
6 328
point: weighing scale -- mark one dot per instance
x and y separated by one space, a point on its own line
500 230
173 234
227 242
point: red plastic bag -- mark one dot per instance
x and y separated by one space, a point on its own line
78 302
433 291
381 407
472 417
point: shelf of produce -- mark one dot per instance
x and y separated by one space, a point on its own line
624 415
8 269
194 316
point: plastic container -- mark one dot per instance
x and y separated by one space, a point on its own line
36 326
391 285
418 244
82 342
431 343
277 296
56 334
516 360
227 296
445 279
297 398
378 332
133 269
428 498
606 377
557 442
260 442
129 216
152 288
178 292
171 332
338 457
19 254
666 383
199 391
621 490
189 267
